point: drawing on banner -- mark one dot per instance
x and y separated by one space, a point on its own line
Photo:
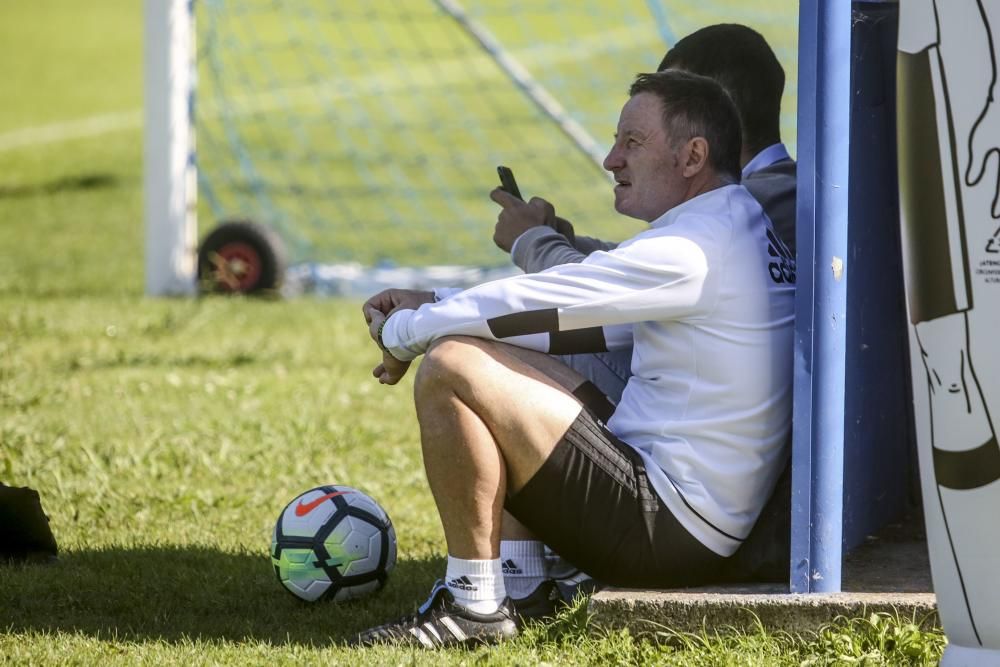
949 142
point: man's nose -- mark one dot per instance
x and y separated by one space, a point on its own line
613 159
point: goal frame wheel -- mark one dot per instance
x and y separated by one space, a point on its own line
241 257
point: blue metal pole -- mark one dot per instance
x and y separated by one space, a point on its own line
821 298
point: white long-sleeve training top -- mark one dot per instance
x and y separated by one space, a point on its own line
705 296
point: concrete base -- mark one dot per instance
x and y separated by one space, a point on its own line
890 573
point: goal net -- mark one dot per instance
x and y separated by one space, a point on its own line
369 133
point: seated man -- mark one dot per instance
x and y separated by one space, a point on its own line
664 492
741 60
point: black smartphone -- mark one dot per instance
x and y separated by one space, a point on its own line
507 181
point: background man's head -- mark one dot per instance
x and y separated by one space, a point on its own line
678 136
742 61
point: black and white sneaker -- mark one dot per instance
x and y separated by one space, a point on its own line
541 604
569 579
441 622
575 584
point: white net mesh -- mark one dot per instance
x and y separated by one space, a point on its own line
370 132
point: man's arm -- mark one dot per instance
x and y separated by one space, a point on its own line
569 308
541 248
536 237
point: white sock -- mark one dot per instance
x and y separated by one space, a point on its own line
476 584
524 566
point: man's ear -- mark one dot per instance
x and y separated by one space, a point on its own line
695 156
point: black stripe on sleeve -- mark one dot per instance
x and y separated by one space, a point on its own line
520 324
578 341
575 341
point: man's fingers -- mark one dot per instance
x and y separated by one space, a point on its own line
375 314
374 323
504 198
373 304
565 227
547 208
383 375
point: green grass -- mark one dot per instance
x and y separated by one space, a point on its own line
166 435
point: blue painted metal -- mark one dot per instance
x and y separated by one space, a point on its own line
880 482
821 298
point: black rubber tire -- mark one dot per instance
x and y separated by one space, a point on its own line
241 257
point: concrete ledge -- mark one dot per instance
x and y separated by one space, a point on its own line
888 573
721 609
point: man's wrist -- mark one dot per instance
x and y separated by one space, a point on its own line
380 341
378 335
520 251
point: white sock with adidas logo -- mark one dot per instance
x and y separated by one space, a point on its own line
524 566
476 584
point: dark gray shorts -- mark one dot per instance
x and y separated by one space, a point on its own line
609 371
592 503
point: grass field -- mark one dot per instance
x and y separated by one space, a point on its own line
165 435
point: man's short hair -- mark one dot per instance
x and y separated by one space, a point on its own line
741 60
697 106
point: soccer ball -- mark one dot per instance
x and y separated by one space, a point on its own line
333 542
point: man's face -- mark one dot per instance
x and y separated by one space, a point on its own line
647 170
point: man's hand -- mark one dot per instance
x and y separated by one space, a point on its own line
389 300
391 370
983 143
565 227
517 217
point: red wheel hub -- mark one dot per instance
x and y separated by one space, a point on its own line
237 266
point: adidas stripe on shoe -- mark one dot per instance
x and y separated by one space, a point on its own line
441 623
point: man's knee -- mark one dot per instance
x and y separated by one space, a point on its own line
448 360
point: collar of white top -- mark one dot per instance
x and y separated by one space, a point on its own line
669 216
765 158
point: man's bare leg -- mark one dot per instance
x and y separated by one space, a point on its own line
489 416
569 380
524 560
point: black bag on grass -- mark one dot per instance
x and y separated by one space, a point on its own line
25 535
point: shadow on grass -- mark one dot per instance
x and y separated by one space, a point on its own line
94 181
169 594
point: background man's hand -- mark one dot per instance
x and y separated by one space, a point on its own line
517 217
565 227
389 300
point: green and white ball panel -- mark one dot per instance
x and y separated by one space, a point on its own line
355 545
298 573
333 542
